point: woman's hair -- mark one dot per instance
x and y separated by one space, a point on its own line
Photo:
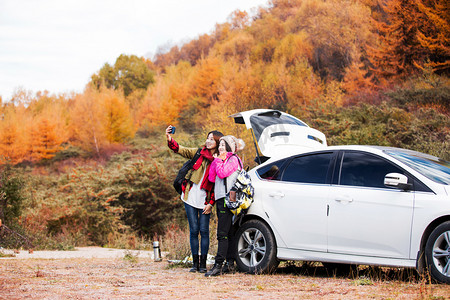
227 146
216 135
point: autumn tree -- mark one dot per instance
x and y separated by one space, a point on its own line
100 118
434 35
45 141
14 146
11 146
86 122
412 34
336 30
206 80
168 98
238 46
117 122
166 57
294 48
194 50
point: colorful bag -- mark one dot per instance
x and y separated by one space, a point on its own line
242 184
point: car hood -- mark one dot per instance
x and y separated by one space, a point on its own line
277 133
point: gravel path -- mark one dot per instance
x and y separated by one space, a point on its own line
81 252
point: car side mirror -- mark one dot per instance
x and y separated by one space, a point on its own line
397 180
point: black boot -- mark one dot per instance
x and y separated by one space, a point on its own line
195 265
215 271
202 268
229 267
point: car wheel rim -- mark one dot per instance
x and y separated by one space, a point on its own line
252 247
441 253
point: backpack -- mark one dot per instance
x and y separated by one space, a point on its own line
242 184
181 176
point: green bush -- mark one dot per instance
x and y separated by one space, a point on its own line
388 124
99 204
11 197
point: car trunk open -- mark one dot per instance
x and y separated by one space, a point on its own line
276 133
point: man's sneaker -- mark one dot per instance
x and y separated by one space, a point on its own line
215 271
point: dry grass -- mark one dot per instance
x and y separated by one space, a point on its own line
112 278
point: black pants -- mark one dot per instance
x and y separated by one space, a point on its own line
224 232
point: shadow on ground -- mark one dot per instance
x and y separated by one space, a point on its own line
349 271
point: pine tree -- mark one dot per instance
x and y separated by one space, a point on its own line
45 141
410 34
434 36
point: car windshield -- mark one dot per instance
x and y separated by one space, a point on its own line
432 167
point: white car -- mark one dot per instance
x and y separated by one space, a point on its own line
353 205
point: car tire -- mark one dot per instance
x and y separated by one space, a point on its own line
437 253
255 248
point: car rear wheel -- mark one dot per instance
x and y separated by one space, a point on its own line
437 253
256 248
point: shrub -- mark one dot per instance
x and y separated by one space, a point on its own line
11 197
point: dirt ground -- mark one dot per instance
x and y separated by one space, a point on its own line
99 273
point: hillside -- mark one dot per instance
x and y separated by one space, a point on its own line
93 169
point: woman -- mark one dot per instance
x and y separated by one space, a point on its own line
197 195
223 166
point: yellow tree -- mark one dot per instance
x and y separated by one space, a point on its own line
45 141
86 124
100 118
337 31
294 48
167 98
14 146
117 122
237 46
206 80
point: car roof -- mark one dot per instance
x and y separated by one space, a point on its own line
369 148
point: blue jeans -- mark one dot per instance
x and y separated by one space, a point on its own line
198 223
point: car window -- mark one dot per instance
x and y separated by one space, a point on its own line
362 169
271 171
308 169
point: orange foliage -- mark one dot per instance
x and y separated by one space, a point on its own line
239 19
434 35
166 99
85 122
14 146
45 141
294 48
292 54
11 146
99 119
238 46
206 80
116 117
411 35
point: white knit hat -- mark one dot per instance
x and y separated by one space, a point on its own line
234 143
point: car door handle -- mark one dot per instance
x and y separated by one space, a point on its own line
277 194
343 199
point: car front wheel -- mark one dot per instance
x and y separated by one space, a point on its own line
256 248
437 253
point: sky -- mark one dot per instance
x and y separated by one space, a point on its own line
57 45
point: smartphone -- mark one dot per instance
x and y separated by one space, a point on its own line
173 130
